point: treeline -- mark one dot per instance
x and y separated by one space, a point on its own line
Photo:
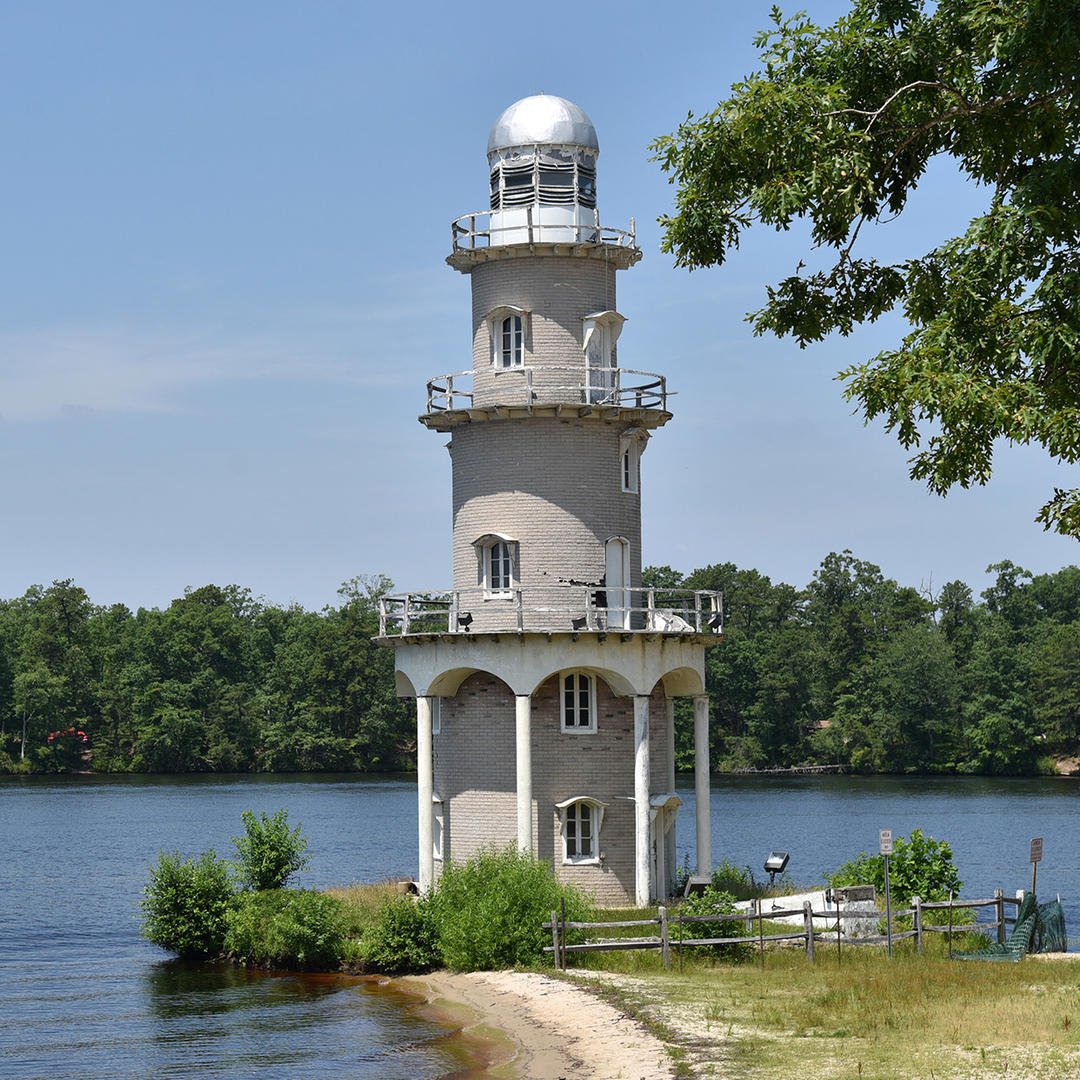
854 669
216 682
858 670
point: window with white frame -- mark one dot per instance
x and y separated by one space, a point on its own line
436 715
577 693
496 565
631 444
509 328
581 819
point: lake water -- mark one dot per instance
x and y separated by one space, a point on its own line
82 995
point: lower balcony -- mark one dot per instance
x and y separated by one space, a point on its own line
547 609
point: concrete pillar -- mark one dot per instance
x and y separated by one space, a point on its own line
425 789
523 716
670 852
641 800
701 784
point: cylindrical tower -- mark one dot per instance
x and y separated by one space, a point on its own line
547 434
545 676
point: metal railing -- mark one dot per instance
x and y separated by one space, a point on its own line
529 385
472 231
551 608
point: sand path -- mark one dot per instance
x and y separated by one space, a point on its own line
559 1032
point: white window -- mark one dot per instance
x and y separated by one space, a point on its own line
630 460
496 565
581 820
436 715
577 700
509 329
512 343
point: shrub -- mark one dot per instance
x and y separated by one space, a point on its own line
186 903
919 866
404 937
269 853
489 911
714 902
287 928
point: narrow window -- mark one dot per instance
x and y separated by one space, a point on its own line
578 702
511 352
436 715
437 828
582 820
501 572
496 565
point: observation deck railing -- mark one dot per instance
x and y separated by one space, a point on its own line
472 231
549 384
551 609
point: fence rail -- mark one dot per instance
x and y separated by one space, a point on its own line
807 936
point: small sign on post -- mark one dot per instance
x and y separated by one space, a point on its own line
1036 858
885 848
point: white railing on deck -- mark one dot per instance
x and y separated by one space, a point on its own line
472 231
551 608
528 385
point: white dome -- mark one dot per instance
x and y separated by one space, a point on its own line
543 119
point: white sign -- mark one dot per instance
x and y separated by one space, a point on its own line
886 842
1036 850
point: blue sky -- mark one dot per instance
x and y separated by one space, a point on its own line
223 289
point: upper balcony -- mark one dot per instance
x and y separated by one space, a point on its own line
529 389
560 608
489 234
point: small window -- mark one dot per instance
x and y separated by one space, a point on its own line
582 818
509 330
436 715
578 698
630 446
512 343
496 565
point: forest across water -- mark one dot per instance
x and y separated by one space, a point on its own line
854 669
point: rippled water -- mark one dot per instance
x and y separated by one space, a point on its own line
82 995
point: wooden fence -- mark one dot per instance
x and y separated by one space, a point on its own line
671 929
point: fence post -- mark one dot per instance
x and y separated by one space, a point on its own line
563 907
916 903
761 932
999 908
808 922
665 946
555 936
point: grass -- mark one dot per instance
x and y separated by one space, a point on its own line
915 1015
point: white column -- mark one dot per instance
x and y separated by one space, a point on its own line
701 784
425 788
641 800
669 846
523 715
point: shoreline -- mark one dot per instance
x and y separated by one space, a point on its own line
529 1026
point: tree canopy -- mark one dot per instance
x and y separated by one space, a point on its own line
837 128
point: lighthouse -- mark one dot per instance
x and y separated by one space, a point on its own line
546 676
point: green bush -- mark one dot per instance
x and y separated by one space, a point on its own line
919 866
186 902
269 853
404 937
714 902
489 911
287 928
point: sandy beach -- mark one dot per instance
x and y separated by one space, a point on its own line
550 1029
